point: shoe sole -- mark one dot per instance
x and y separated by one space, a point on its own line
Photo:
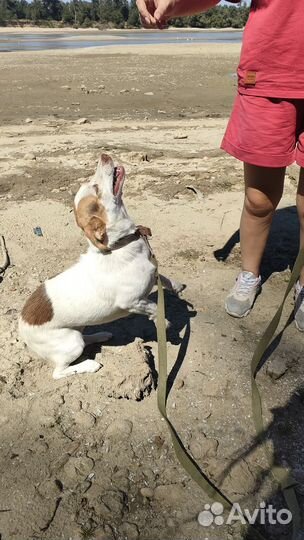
297 326
295 320
236 315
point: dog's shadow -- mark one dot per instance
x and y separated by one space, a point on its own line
178 311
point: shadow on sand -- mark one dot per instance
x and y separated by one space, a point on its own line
282 246
285 432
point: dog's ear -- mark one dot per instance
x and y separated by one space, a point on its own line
91 218
95 230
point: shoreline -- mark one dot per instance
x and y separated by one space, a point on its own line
147 49
165 49
71 30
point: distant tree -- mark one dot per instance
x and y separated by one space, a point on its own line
123 8
117 13
76 10
9 10
21 9
67 13
3 13
133 18
95 11
52 9
105 10
36 11
85 14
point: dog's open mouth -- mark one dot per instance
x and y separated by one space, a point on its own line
118 178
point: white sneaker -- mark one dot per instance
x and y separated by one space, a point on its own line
241 298
299 307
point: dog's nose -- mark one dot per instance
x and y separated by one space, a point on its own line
105 159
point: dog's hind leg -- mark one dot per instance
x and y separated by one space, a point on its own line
98 337
66 346
87 366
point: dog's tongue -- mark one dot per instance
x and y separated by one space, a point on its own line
120 172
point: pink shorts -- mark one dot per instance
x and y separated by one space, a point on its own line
268 132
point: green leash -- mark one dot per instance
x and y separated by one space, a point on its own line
281 475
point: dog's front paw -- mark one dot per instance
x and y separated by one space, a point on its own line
168 324
177 287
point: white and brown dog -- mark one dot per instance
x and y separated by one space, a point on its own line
111 280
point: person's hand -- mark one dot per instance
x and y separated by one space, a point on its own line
146 10
155 13
165 9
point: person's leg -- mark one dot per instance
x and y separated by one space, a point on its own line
262 131
263 191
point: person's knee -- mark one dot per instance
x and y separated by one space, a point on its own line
259 205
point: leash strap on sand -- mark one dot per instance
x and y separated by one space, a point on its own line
4 259
184 458
281 475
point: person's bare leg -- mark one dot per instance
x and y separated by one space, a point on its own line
263 191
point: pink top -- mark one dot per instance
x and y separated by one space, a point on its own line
272 57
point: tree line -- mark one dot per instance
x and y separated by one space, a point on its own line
108 14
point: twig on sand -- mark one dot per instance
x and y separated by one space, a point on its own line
4 258
196 191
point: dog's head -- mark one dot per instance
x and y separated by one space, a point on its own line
109 178
98 204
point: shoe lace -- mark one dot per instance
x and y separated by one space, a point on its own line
301 295
245 285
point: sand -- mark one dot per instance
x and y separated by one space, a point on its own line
89 456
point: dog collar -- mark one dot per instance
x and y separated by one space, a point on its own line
140 232
125 240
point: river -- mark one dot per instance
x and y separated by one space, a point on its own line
30 41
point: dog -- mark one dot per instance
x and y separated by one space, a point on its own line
111 280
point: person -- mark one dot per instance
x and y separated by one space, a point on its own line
266 127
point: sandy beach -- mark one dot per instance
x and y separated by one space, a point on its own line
89 456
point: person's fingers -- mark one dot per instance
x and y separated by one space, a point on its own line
162 12
147 24
163 24
145 15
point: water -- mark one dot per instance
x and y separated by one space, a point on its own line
62 40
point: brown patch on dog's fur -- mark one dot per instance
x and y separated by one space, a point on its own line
91 218
93 207
38 309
